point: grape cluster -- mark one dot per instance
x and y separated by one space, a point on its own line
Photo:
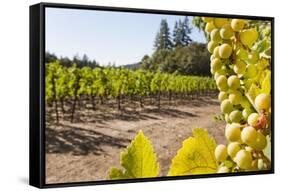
233 62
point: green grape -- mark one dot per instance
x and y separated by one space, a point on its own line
225 50
216 52
226 106
212 57
216 64
251 70
209 27
226 118
215 35
253 57
262 101
221 153
253 119
219 22
237 24
249 36
207 19
222 96
242 54
243 159
235 116
233 148
239 67
223 169
260 142
235 97
221 82
246 112
211 46
226 32
233 132
248 135
233 82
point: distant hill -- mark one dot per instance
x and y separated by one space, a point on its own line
134 66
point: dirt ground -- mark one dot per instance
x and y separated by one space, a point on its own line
86 149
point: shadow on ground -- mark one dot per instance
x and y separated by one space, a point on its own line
78 141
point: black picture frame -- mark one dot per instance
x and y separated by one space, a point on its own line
37 94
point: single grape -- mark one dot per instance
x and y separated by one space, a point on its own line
260 142
222 96
246 112
243 159
211 46
219 22
209 27
216 52
253 119
249 36
239 67
235 97
235 116
233 148
223 169
216 64
262 101
233 82
226 106
226 118
215 35
248 135
225 50
220 153
226 32
232 132
221 82
212 57
237 24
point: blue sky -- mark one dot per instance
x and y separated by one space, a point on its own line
116 37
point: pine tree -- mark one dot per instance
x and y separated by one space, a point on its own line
186 31
181 33
163 39
177 35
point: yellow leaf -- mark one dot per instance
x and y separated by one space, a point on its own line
196 155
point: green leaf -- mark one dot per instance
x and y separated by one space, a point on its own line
262 46
267 149
196 155
266 83
138 160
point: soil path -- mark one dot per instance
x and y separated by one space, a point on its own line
85 151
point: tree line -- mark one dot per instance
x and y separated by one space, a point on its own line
174 52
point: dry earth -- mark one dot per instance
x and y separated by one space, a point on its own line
86 149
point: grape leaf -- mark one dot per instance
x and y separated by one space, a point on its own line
267 149
196 155
266 83
138 160
262 45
